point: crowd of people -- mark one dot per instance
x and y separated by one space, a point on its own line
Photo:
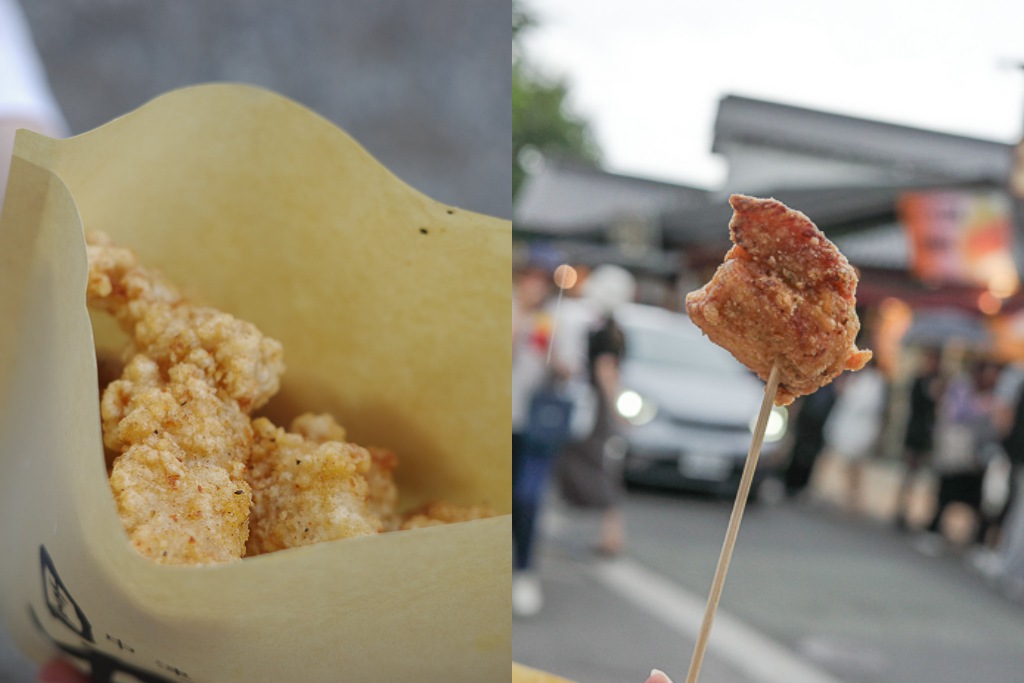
566 351
963 430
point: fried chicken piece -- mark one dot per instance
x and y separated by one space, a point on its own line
319 427
382 498
178 510
442 512
179 479
195 479
143 407
177 418
233 354
306 492
118 285
382 495
783 295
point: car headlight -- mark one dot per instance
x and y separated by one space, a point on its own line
775 429
636 409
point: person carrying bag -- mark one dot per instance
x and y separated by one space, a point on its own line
540 422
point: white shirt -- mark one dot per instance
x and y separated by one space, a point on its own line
529 363
854 425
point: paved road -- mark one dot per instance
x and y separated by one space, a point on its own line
812 596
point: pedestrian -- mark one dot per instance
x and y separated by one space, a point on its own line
587 474
854 426
965 436
1005 561
532 324
577 316
810 414
918 438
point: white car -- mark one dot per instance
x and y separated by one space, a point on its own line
690 406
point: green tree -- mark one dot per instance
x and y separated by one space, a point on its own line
541 119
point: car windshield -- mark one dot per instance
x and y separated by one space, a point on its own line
677 348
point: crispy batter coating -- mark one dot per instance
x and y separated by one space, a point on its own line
178 415
178 481
305 491
783 295
144 407
441 512
196 479
178 510
118 284
318 427
382 495
233 354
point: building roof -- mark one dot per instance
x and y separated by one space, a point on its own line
573 200
927 154
836 210
577 203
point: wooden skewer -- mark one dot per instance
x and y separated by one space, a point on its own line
746 479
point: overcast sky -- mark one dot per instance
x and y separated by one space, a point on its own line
649 73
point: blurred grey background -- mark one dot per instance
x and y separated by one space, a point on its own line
424 86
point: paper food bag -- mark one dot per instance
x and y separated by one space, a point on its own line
526 674
393 313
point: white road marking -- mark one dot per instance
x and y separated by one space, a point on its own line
753 653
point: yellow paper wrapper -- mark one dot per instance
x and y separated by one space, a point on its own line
393 312
526 674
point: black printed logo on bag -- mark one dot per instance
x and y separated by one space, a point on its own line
69 620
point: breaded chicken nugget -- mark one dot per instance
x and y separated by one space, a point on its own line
318 427
783 295
196 479
382 494
178 415
179 479
178 510
233 354
442 512
305 491
144 407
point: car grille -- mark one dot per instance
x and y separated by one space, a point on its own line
720 427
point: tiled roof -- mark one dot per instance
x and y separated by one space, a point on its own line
931 154
836 210
576 200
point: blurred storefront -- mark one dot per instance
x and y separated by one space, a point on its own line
926 217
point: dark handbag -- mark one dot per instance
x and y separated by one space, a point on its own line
1013 444
550 417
